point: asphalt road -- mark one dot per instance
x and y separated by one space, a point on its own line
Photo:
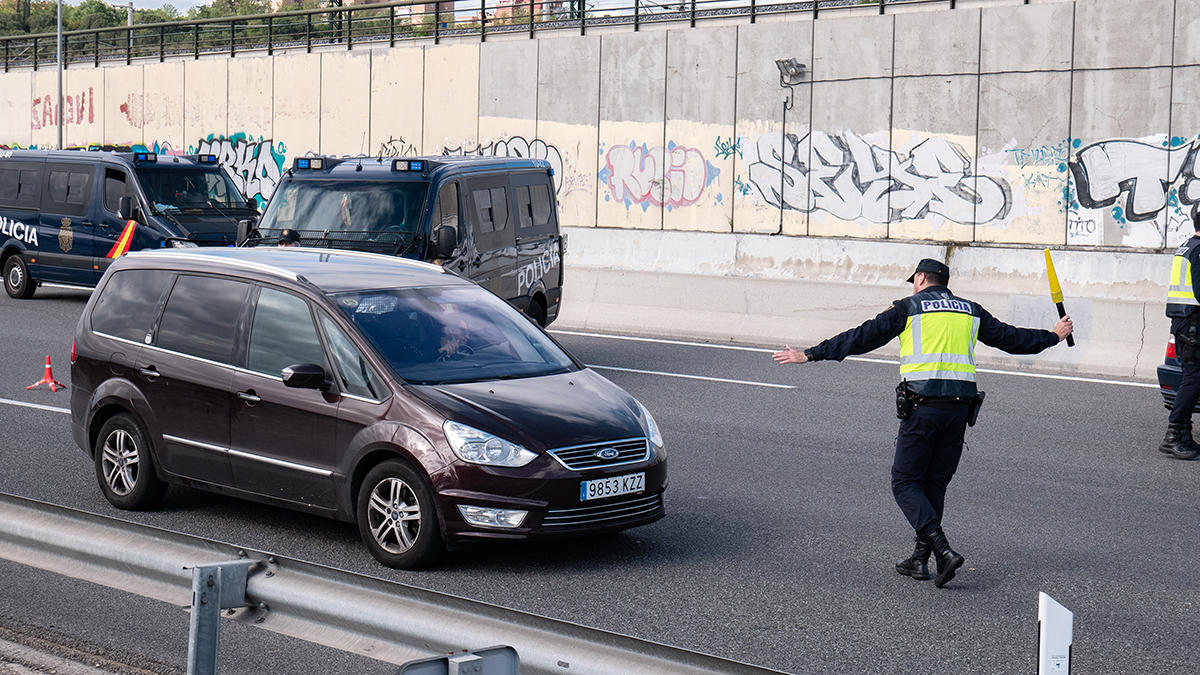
780 536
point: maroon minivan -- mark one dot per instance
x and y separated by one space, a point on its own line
366 388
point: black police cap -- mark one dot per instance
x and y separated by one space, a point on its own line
289 237
932 267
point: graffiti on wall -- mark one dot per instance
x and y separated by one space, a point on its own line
673 176
397 147
78 108
256 165
1042 167
852 179
518 146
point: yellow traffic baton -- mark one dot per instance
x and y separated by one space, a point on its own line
1056 294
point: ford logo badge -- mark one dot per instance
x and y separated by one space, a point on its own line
607 453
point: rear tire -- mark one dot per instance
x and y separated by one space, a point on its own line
397 517
124 467
17 282
537 311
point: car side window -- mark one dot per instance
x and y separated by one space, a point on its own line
524 210
67 190
282 334
129 302
114 189
201 317
447 209
356 376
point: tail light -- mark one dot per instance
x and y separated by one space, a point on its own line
75 354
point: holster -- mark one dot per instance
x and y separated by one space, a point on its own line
973 408
905 400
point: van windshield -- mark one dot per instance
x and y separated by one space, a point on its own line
173 190
379 216
446 335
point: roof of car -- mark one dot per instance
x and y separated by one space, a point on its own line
330 270
374 168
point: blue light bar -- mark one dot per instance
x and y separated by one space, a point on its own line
302 163
416 166
208 159
145 157
408 165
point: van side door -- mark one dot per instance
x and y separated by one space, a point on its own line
65 225
115 183
494 260
539 259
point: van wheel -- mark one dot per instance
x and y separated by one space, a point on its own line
16 278
397 518
537 311
124 466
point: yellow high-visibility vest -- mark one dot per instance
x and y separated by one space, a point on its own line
937 347
1181 297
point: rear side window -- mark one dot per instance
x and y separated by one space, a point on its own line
492 215
19 185
283 334
129 303
67 190
201 317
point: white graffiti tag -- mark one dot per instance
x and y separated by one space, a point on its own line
517 146
1105 170
253 165
851 179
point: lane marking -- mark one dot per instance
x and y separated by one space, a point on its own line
862 359
37 406
693 377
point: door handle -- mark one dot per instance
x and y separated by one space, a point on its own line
86 223
150 373
249 397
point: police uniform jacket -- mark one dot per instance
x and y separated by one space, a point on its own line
1184 284
890 323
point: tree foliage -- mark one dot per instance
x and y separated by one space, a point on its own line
24 17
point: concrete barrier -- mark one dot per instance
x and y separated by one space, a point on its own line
769 290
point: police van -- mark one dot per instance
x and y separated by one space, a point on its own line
491 220
66 215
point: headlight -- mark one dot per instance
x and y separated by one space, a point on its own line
479 447
650 426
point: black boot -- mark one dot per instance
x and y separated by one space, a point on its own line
1179 442
916 565
948 561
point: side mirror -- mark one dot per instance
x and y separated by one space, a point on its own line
305 376
243 231
125 208
445 238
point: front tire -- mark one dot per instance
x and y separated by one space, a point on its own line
397 517
124 467
17 282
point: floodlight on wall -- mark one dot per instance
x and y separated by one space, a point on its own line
791 72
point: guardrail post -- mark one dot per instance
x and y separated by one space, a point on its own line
881 6
483 20
35 53
437 22
232 38
637 10
214 588
349 28
392 26
162 44
95 47
582 16
308 31
752 11
6 43
128 46
196 43
531 19
270 35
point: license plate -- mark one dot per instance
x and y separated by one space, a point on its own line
612 487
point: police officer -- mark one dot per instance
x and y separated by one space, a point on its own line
1182 305
937 395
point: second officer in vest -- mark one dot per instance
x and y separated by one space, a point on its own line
1183 308
936 398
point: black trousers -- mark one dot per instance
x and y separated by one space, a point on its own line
928 448
1187 348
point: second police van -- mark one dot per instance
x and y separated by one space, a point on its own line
66 215
491 220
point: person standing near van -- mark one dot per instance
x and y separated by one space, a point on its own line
1183 300
936 399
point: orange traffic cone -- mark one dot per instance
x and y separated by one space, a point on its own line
48 379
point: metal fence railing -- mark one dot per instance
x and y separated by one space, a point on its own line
392 22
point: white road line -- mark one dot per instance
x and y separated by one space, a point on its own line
693 377
864 359
37 406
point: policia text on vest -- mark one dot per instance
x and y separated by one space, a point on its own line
938 332
1183 307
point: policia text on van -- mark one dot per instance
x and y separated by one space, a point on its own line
65 215
491 220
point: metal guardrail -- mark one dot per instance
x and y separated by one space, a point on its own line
380 619
388 22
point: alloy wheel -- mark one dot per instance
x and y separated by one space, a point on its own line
120 462
394 515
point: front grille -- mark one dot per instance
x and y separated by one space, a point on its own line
630 508
580 457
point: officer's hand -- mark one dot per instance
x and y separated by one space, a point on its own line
789 355
1063 328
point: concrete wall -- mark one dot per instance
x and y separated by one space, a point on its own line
1050 124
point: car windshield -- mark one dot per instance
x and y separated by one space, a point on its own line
444 335
380 216
173 189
